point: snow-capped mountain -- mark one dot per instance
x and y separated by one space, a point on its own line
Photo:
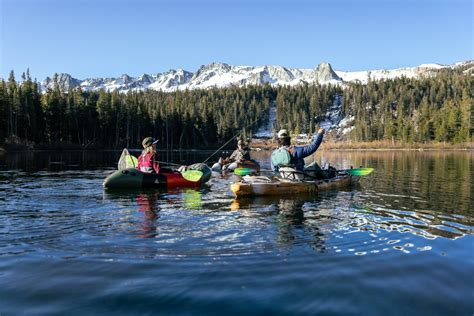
223 75
64 80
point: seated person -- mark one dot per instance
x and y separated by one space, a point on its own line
148 160
241 154
291 158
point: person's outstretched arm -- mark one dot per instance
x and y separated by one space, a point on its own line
305 151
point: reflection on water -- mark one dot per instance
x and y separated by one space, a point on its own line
289 216
433 180
58 161
149 203
439 181
306 219
148 206
192 199
404 234
424 223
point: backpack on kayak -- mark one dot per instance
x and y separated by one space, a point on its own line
282 160
281 157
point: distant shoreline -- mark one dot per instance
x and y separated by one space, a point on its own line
375 146
270 145
399 149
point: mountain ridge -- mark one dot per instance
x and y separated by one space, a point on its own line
222 75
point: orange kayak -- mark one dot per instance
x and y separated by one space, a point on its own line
260 186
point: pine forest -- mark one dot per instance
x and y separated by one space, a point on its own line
431 109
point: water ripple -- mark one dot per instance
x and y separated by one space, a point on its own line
65 244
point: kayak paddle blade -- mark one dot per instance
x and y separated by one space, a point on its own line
132 161
359 171
243 171
192 175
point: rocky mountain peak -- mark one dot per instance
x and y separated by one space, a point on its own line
64 81
126 78
324 73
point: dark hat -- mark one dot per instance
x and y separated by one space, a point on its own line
147 142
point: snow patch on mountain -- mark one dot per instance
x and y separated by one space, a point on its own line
434 66
423 70
168 81
333 119
345 125
333 115
267 130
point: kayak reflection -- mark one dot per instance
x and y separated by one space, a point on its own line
149 204
290 214
192 199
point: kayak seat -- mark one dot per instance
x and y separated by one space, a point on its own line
290 173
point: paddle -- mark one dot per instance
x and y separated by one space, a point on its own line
359 171
192 175
243 171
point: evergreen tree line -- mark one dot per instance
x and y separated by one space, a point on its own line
408 110
438 108
181 119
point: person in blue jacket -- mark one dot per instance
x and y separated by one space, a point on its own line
296 153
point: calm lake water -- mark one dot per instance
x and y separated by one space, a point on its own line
400 242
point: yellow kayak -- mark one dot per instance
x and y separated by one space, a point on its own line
259 186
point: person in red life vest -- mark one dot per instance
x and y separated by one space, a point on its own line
148 160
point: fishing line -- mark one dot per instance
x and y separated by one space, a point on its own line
168 163
230 140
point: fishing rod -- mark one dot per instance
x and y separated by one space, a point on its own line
230 140
168 163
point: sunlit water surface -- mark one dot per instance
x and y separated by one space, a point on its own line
400 242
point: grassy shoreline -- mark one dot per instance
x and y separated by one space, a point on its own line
376 146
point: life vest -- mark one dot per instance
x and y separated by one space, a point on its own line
145 163
281 157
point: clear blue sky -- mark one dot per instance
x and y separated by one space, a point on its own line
91 38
